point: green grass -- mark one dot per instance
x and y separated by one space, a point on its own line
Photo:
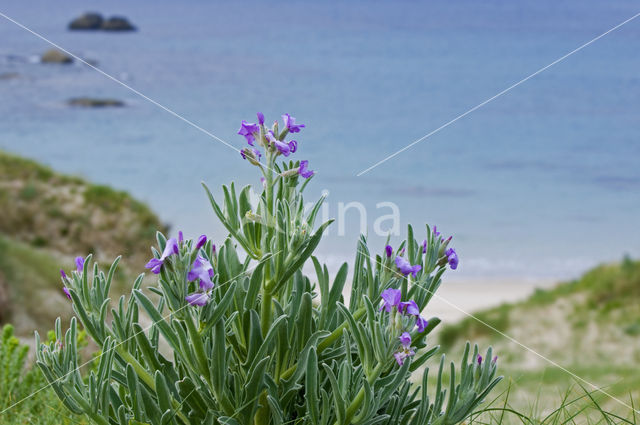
589 326
25 397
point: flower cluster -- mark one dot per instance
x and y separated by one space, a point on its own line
452 258
273 141
450 255
392 302
201 269
402 263
79 269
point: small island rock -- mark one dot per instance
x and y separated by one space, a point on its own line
88 21
90 102
117 23
55 56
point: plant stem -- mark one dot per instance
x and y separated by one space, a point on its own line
265 311
357 401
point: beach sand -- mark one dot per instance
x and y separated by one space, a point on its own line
456 299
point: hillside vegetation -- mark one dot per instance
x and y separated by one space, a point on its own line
49 218
68 215
590 327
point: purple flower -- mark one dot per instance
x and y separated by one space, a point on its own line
284 148
405 267
66 292
171 248
271 138
421 323
180 237
452 258
293 146
203 271
201 241
495 360
405 340
260 118
400 356
249 131
391 298
290 123
198 299
424 246
406 350
409 307
388 250
63 274
304 170
479 360
435 231
79 264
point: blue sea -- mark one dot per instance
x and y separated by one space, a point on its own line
543 182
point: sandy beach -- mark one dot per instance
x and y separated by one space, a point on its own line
454 299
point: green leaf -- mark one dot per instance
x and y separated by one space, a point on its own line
311 387
158 320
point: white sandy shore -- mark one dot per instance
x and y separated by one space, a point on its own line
454 299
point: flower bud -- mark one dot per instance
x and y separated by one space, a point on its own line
252 217
201 241
290 172
251 155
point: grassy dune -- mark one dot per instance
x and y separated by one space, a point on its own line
590 327
47 219
68 215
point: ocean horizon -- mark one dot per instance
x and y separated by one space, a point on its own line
541 183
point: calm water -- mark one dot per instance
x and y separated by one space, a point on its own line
543 182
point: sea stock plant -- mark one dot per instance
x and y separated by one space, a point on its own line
239 335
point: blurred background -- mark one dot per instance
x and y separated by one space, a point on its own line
537 187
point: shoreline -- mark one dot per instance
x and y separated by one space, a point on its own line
456 299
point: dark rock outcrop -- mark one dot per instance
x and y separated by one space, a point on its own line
9 76
55 56
117 23
90 102
88 21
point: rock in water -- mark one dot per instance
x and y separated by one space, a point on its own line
90 102
55 56
88 21
117 23
9 76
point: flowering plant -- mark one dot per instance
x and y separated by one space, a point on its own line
239 335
